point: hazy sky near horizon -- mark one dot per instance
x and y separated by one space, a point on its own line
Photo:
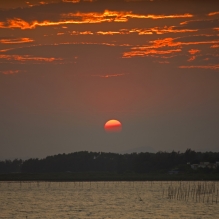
68 66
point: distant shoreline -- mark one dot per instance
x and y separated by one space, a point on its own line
88 176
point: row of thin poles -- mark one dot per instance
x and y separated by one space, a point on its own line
206 192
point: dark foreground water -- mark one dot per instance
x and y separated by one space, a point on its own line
109 200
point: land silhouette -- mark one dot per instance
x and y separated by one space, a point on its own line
86 165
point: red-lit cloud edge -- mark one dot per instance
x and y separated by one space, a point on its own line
86 18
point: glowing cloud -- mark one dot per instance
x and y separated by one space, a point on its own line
43 3
85 33
25 58
171 43
80 18
164 30
146 52
192 58
213 67
154 47
16 41
10 72
215 46
109 32
193 51
108 76
117 16
213 13
71 1
149 31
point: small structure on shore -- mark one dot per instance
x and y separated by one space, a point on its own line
205 165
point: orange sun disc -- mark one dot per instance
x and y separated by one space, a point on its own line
113 126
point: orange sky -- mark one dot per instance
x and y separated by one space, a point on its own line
68 66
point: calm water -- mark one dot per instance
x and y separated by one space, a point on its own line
103 200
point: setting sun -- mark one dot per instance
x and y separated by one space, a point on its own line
113 126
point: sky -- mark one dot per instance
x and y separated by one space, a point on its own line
69 66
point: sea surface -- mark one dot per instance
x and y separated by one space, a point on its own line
109 200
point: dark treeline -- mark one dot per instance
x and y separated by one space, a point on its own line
110 162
